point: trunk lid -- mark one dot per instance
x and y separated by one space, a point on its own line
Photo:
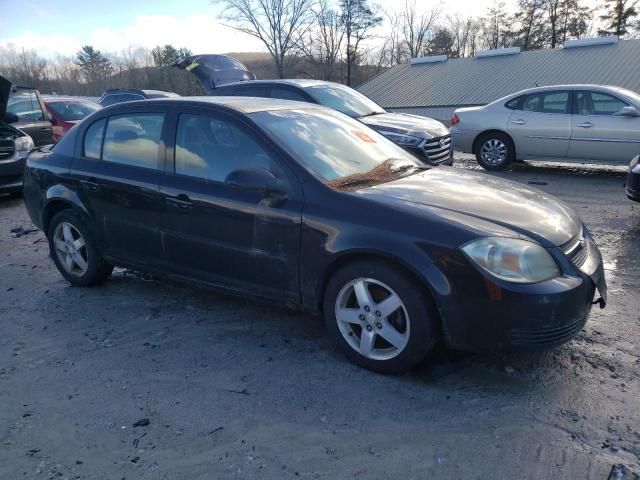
213 71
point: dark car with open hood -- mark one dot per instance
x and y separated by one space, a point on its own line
426 138
14 145
302 205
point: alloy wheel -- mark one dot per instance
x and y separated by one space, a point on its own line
494 151
71 249
372 318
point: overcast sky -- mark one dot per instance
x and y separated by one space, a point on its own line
63 26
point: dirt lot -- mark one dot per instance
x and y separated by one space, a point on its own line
238 390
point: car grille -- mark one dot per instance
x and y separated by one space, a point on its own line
438 149
7 147
545 336
577 250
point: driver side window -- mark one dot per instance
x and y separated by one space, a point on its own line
211 148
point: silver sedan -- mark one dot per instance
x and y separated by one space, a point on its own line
587 123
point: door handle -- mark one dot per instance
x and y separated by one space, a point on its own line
181 202
585 125
90 185
518 122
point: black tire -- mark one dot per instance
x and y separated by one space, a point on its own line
424 325
503 139
97 269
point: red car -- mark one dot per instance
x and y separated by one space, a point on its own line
66 112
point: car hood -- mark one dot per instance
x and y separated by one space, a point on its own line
5 91
212 70
404 123
509 204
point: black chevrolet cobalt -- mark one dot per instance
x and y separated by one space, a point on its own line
301 204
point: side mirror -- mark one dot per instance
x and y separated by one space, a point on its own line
11 117
257 178
628 112
261 180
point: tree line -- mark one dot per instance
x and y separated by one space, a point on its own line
346 41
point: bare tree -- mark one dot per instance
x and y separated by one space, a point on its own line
416 25
357 19
495 26
278 24
322 46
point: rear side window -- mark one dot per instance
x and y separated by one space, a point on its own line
547 102
133 140
211 148
93 139
288 94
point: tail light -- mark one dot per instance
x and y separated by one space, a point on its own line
455 120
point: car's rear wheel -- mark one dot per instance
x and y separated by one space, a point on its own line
380 316
495 151
74 251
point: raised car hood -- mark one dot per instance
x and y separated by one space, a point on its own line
525 210
415 125
213 71
5 91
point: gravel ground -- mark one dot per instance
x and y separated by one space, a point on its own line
233 389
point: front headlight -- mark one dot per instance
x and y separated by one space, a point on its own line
403 140
23 146
514 260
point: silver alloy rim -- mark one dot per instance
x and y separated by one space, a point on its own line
372 318
494 152
71 249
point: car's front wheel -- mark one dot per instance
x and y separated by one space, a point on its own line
381 317
74 251
495 151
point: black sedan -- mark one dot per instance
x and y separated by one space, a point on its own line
632 186
303 205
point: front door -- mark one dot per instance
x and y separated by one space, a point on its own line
220 233
541 127
27 105
118 178
598 133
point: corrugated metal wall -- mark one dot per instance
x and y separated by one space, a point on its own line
477 81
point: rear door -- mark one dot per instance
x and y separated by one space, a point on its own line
220 233
120 166
598 133
541 126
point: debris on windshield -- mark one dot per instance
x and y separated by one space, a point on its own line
387 171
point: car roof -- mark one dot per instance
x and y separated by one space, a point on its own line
242 104
62 98
576 86
293 82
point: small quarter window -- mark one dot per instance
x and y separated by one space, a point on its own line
514 103
93 139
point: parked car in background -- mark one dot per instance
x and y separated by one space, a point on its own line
294 202
426 138
565 122
632 187
27 105
14 145
65 112
119 95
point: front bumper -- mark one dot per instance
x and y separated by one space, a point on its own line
632 187
493 315
11 174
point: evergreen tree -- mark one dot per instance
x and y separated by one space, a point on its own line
619 17
357 19
94 65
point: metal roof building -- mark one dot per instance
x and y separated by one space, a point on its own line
436 86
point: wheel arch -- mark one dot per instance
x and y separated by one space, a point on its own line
351 256
60 198
493 131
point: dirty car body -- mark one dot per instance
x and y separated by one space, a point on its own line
220 223
426 138
14 146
